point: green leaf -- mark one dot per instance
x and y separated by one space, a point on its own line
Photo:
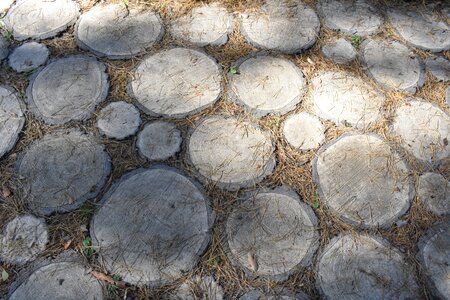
125 2
87 242
112 288
234 70
116 277
5 275
316 204
356 40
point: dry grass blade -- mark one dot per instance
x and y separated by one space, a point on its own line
293 167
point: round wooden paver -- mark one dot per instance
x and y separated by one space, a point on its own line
62 170
114 31
346 100
67 89
392 65
204 25
12 118
434 255
67 279
40 19
424 129
283 294
229 152
421 28
271 234
434 191
24 238
28 57
4 48
119 120
176 83
266 84
158 233
339 51
362 181
280 27
159 140
439 67
352 17
364 267
304 131
5 5
205 288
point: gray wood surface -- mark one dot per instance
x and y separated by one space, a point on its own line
114 31
274 229
152 226
40 19
176 83
281 27
66 277
434 191
392 65
420 28
304 131
363 181
339 50
119 120
354 266
12 118
351 17
204 25
434 255
230 152
67 89
198 288
62 170
159 140
424 129
28 57
266 84
439 67
23 239
345 99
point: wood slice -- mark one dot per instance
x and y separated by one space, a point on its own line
266 85
352 17
176 83
434 255
392 65
67 89
40 19
230 152
62 170
117 32
271 234
12 118
424 129
152 227
363 181
159 140
65 277
281 27
346 100
420 27
363 267
204 25
119 120
24 238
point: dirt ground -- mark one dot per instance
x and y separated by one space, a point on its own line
67 231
